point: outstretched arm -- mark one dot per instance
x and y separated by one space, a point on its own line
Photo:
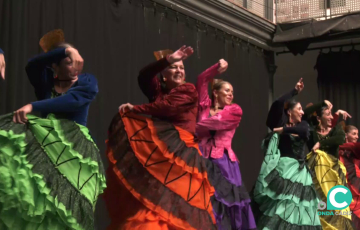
227 119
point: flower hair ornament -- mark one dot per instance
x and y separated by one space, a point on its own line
311 104
162 53
52 39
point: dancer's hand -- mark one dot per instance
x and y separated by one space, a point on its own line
20 114
126 106
278 130
2 66
77 60
223 65
299 85
180 54
316 147
328 103
343 113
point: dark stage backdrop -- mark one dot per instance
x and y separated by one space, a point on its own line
116 39
339 82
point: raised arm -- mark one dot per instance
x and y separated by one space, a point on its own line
227 119
205 77
148 81
180 99
36 66
74 99
276 116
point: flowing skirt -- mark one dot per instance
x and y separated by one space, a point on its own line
50 175
351 161
232 215
328 172
158 178
284 196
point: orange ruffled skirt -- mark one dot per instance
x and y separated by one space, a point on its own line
157 178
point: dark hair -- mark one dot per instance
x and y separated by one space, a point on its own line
290 104
318 113
218 84
349 128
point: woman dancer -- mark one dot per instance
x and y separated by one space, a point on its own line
2 64
218 119
158 178
323 162
50 169
284 196
349 155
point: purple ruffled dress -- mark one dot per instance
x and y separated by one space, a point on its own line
231 205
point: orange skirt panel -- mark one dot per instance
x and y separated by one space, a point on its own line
173 172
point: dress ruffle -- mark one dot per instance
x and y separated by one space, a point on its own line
328 172
40 192
283 196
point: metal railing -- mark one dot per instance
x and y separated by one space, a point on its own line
299 10
262 8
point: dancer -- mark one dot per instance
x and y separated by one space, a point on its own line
218 119
2 64
349 155
323 162
157 176
50 168
284 196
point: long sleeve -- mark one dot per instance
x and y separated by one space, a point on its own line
74 99
302 129
227 119
1 51
337 137
148 81
202 84
37 69
276 116
179 99
335 120
353 147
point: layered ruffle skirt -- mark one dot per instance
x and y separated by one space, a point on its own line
284 196
158 178
351 161
50 175
232 215
327 172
